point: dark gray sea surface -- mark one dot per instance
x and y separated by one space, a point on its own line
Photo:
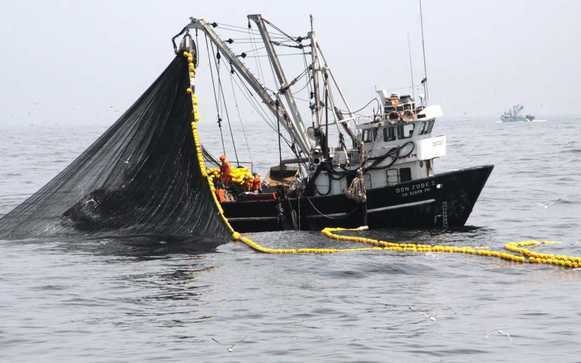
161 300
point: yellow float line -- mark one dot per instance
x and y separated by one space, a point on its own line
420 248
520 252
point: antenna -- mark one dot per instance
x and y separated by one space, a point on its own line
411 69
425 80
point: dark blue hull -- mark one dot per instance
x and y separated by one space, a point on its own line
441 201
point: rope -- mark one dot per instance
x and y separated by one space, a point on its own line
215 97
240 116
242 29
374 99
257 106
223 98
257 60
516 252
323 214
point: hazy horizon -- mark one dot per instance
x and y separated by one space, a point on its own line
87 62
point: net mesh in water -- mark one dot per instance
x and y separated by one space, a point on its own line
141 177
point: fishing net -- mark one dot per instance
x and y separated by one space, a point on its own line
141 177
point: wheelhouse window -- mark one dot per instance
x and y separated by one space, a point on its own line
396 176
369 135
427 127
388 134
392 176
405 174
405 131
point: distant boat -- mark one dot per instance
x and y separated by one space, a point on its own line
514 115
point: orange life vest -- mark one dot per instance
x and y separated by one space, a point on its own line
220 193
256 183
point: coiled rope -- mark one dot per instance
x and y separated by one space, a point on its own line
516 252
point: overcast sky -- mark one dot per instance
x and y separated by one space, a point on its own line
87 61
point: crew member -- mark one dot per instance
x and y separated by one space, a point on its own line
256 184
225 171
248 181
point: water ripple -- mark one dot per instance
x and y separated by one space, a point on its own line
163 300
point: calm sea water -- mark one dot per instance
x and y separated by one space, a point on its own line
111 300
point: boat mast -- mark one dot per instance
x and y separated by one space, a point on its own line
274 105
411 68
315 68
425 80
283 85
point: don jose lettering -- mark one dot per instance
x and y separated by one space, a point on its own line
415 189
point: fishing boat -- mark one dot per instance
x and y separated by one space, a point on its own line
348 169
514 114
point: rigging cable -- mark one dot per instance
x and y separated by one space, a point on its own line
294 81
254 103
279 135
307 67
215 97
223 97
242 29
333 107
278 55
254 49
296 40
239 114
364 107
275 80
257 106
294 93
257 60
326 149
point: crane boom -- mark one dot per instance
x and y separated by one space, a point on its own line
279 72
277 108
